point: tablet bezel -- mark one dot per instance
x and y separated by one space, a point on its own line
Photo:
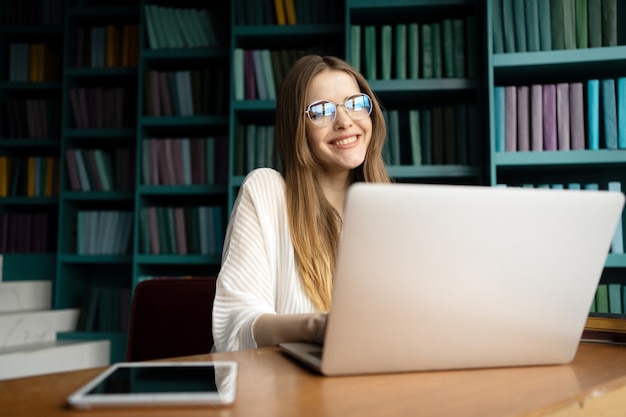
81 399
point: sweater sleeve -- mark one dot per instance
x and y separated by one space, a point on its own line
257 275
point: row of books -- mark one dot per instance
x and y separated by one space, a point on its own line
33 62
260 72
105 46
184 161
27 233
182 230
441 135
34 12
287 12
30 176
103 232
440 49
104 309
99 107
31 118
617 243
538 25
254 148
610 298
552 116
93 169
186 93
173 27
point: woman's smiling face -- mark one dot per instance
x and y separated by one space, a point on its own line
342 145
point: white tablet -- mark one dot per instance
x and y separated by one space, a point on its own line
149 384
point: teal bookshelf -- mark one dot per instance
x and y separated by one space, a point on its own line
134 145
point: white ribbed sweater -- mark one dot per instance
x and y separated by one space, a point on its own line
258 273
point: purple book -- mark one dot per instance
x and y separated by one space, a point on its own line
562 116
523 134
536 117
549 117
510 122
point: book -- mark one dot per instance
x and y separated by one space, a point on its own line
593 113
545 25
238 73
462 134
562 116
290 12
414 50
386 51
426 136
602 299
609 22
617 243
458 33
370 52
569 24
577 115
449 135
536 118
447 48
355 46
497 27
519 20
401 51
508 24
609 113
557 15
533 43
259 73
394 135
582 33
438 137
437 50
268 73
549 117
594 22
621 112
427 51
510 123
523 118
500 117
415 136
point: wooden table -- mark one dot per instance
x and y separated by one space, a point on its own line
270 384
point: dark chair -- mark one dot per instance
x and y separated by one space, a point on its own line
171 317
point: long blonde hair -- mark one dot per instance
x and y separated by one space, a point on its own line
313 222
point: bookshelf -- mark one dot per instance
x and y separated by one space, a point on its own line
212 140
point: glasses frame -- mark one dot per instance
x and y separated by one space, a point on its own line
308 109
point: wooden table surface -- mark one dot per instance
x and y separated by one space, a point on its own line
271 384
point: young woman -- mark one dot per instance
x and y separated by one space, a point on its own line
275 284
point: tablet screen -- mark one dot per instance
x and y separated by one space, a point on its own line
160 383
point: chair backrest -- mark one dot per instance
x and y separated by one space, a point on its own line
171 317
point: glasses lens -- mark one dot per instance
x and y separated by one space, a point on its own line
322 113
359 106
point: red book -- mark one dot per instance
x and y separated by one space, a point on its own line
181 235
154 231
549 117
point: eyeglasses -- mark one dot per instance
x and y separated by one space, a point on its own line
324 112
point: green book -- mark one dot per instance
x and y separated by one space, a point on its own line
533 43
508 25
427 50
615 298
437 50
609 22
594 22
355 46
386 51
569 24
401 51
519 20
414 50
497 28
458 30
602 299
415 137
447 40
438 136
582 34
370 52
545 25
557 15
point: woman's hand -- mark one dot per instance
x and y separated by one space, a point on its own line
273 329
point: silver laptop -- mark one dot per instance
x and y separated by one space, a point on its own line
433 277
